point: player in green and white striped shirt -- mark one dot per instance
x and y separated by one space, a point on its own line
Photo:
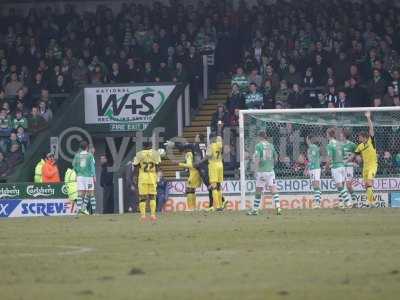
264 159
314 168
336 160
348 148
84 166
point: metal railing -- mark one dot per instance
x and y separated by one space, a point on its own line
205 76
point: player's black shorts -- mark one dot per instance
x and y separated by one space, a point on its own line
203 170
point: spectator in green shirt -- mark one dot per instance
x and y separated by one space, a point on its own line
19 120
240 79
254 99
5 123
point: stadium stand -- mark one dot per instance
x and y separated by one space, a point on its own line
328 54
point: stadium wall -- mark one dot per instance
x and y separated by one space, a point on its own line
295 194
44 200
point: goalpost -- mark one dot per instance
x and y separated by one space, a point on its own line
288 128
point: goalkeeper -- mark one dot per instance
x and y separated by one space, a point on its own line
367 150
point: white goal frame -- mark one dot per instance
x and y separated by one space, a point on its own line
242 113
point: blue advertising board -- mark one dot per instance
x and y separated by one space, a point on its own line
395 199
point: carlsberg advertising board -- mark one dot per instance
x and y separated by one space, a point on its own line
32 200
124 108
32 191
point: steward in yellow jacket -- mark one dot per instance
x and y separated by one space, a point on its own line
70 183
38 172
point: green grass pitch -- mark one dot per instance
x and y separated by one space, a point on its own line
324 254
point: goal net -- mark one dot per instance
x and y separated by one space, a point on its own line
288 129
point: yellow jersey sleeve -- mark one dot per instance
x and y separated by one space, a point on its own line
359 148
156 157
137 158
363 146
371 142
368 152
189 161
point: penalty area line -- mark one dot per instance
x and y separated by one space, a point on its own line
65 251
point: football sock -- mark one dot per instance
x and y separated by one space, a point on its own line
257 200
340 196
317 195
142 208
276 201
220 198
85 202
92 200
215 194
344 195
79 203
351 195
153 206
210 197
370 194
191 201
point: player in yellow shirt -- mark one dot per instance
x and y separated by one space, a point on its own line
147 162
193 182
216 169
367 150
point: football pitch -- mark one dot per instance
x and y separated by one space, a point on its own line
304 254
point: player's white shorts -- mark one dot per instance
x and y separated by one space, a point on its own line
85 183
339 174
349 173
265 179
315 175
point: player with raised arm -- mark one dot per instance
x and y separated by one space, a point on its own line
193 181
146 164
336 162
200 159
215 170
264 161
348 148
84 167
314 168
367 150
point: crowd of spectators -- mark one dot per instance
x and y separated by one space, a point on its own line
314 54
47 52
308 54
311 53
